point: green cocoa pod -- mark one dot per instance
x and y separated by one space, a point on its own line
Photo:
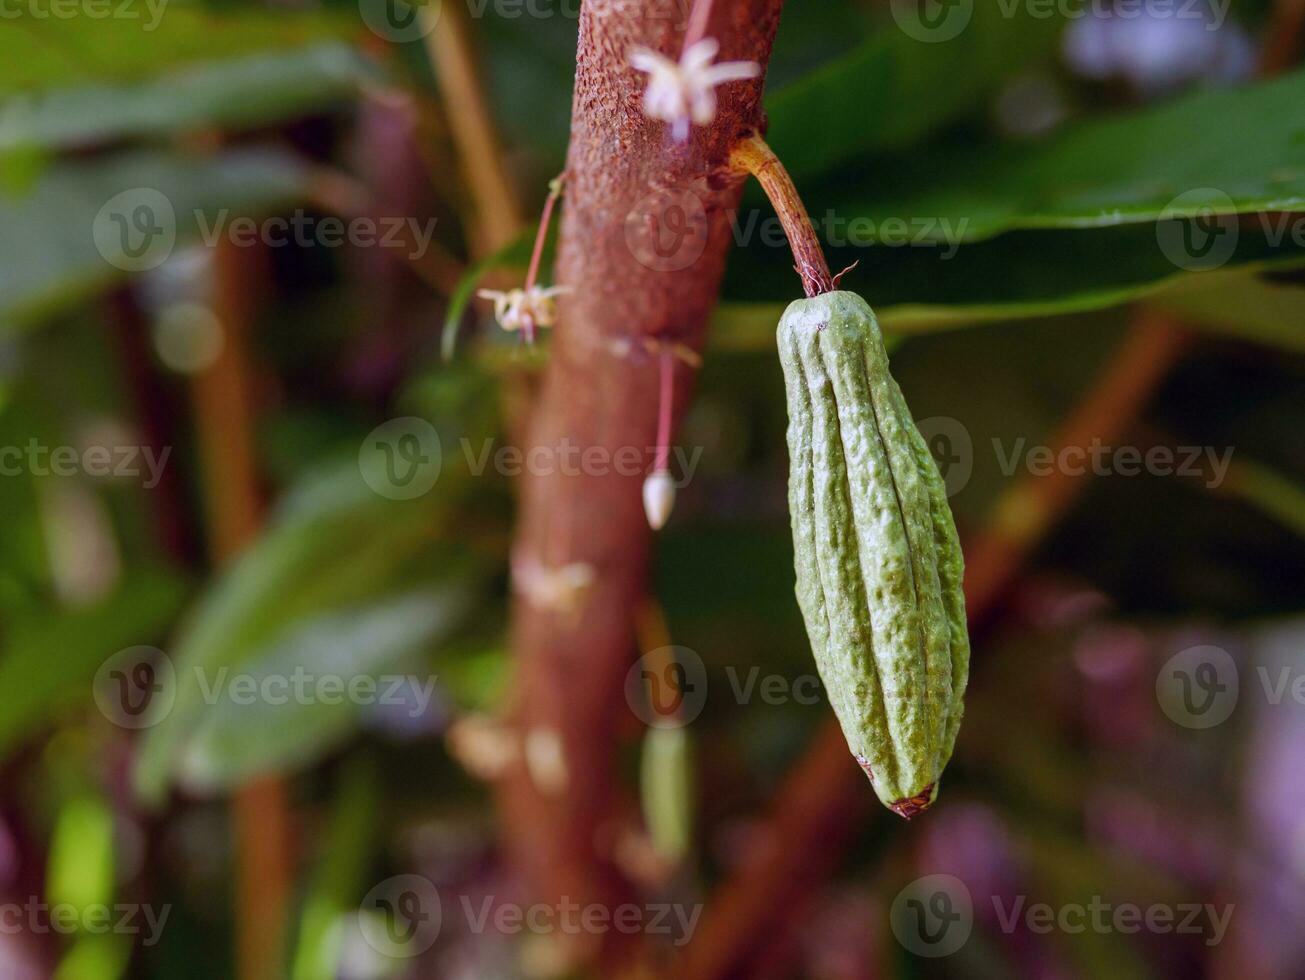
878 563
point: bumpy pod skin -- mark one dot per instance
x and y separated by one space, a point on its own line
878 563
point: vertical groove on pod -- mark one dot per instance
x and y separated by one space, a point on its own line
914 491
878 521
810 589
951 577
847 592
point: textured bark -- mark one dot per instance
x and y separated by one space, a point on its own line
621 168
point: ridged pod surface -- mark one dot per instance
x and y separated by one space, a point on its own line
878 564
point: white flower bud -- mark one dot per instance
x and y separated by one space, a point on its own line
658 498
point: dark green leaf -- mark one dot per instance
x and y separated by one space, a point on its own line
245 91
1215 152
316 592
1020 275
894 89
51 659
50 238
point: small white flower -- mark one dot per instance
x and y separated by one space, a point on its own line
681 92
560 588
528 308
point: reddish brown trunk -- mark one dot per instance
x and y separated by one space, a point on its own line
624 175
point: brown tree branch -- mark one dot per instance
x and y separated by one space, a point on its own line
225 425
643 242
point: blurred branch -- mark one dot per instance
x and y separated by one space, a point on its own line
1283 39
339 193
224 418
586 535
824 795
498 217
155 414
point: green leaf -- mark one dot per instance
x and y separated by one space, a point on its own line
317 590
1251 306
50 238
279 728
1017 276
245 91
80 868
50 659
666 790
893 89
1219 151
95 956
333 890
145 41
1274 493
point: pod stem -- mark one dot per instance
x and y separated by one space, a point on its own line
753 155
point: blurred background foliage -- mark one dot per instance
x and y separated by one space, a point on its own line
1051 156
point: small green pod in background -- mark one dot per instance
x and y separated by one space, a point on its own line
877 560
666 785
